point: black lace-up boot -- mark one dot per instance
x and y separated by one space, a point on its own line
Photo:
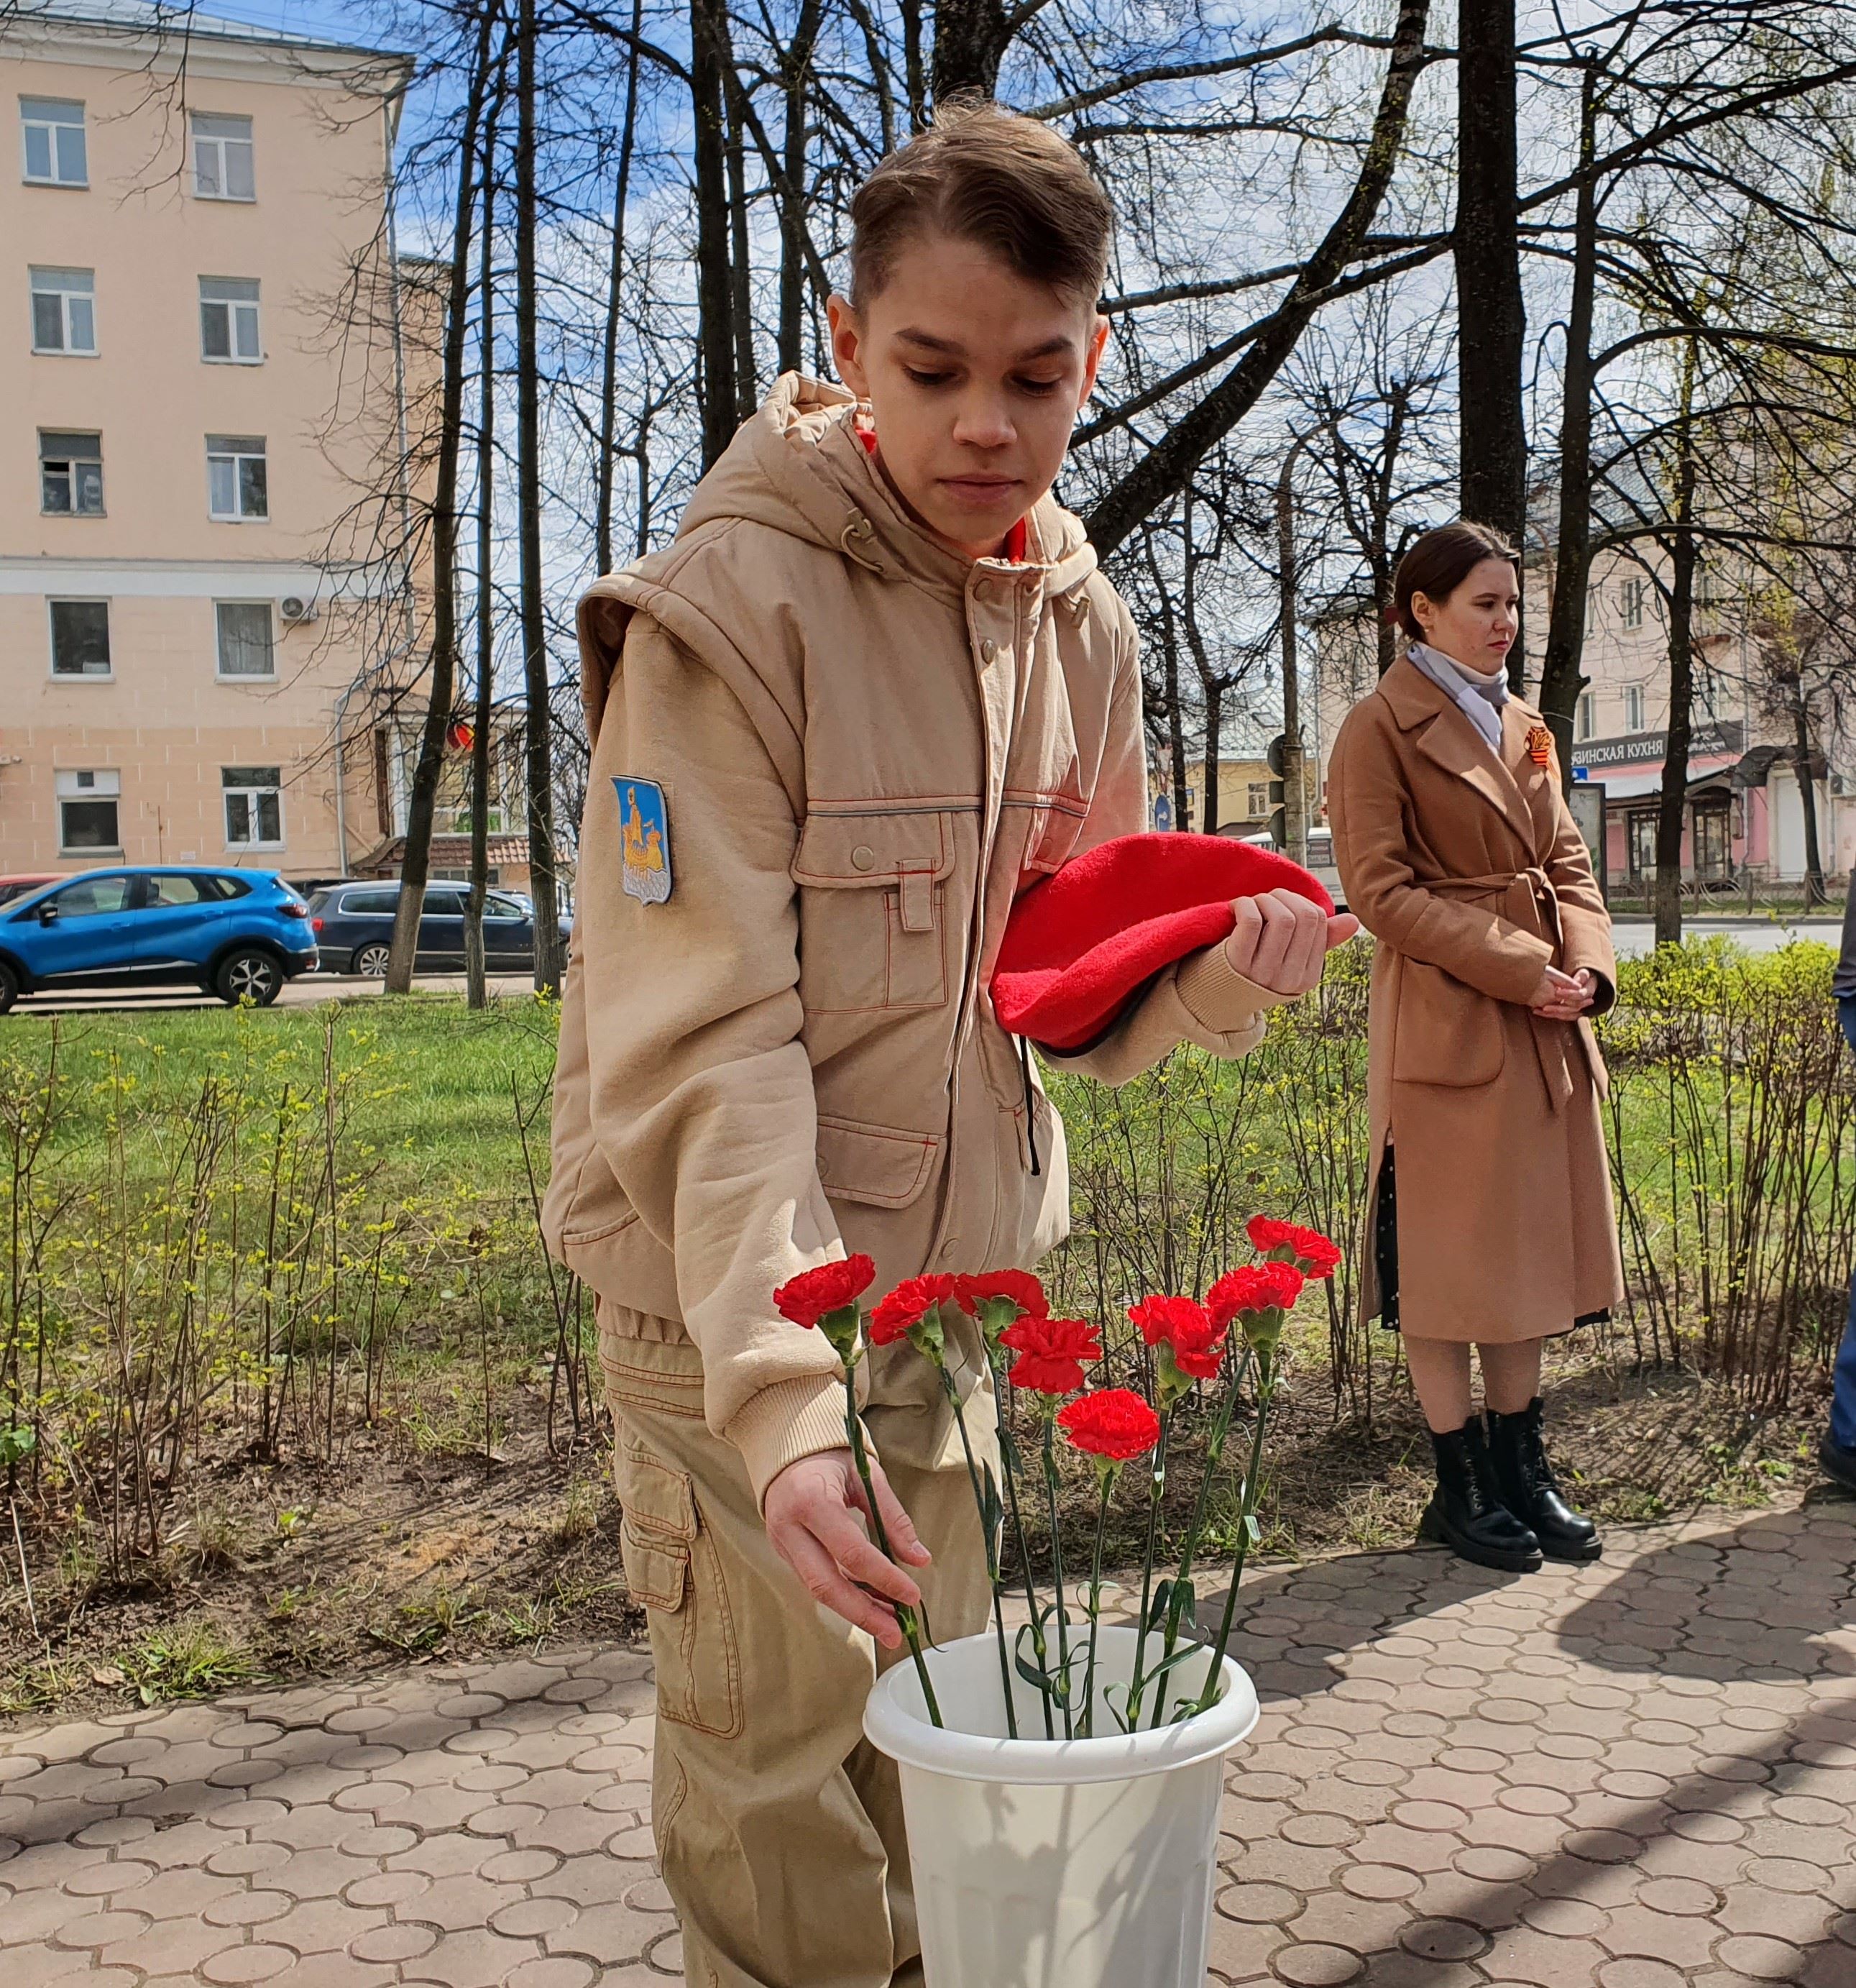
1532 1492
1466 1513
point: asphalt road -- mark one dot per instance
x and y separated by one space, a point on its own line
1632 936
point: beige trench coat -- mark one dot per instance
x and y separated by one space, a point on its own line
1469 872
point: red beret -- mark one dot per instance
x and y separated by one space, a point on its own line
1081 944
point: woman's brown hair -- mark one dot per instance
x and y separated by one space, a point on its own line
979 173
1438 563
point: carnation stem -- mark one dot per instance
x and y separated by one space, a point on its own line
1063 1627
1214 1455
1265 1390
905 1616
1107 1472
1007 1449
950 1388
1156 1492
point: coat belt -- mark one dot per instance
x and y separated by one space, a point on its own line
1530 901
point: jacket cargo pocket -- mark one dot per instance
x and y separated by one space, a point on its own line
876 1163
871 910
1056 821
674 1570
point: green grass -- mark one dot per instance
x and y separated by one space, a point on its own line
439 1105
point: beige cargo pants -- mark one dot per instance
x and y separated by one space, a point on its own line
779 1829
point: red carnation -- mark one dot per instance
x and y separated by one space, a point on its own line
1114 1423
806 1298
896 1316
1020 1286
1195 1338
1255 1288
1313 1254
1050 1353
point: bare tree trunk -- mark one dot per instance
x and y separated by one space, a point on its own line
1214 746
1816 891
740 269
1294 789
476 991
608 357
970 39
1491 317
416 863
1562 677
1163 471
715 374
915 75
1673 807
1169 670
796 76
539 715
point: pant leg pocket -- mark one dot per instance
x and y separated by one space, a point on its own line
674 1569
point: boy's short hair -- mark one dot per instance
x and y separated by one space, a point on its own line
984 174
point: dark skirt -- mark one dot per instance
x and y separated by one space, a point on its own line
1385 1251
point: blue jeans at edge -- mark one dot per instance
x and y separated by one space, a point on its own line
1843 1395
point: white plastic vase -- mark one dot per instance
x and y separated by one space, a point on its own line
1064 1863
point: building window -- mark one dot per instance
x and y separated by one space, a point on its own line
235 477
1630 601
1587 715
228 320
1643 845
70 474
80 638
254 807
222 158
64 311
1633 707
246 647
87 804
54 135
1258 801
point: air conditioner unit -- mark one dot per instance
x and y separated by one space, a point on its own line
296 608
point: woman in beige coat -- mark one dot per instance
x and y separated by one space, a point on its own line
1490 1221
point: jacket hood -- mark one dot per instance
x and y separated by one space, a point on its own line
798 465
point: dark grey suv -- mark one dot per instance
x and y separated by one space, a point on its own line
353 924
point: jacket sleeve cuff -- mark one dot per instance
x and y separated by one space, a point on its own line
789 1420
1228 1009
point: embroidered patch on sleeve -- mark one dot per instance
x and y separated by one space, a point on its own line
644 822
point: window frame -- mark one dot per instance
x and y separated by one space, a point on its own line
219 141
67 351
1633 707
232 307
251 793
53 603
1585 716
51 127
221 673
1631 600
71 459
238 458
87 797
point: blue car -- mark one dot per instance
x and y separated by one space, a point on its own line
240 934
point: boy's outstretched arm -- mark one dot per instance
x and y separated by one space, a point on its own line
1216 998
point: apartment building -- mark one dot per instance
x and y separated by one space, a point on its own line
199 432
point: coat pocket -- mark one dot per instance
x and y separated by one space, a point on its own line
674 1571
873 917
1446 1032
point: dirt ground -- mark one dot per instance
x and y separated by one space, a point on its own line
389 1557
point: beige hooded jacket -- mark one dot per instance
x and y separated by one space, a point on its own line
867 747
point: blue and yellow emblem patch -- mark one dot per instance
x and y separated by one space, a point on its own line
644 823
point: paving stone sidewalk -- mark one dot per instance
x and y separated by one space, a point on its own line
1639 1775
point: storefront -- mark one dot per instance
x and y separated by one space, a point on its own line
1722 831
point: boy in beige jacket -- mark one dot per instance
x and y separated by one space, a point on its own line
875 689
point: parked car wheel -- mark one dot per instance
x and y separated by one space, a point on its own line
372 960
250 975
9 987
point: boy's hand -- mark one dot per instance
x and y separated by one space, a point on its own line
1282 941
816 1519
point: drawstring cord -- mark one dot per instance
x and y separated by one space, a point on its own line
859 528
1030 1116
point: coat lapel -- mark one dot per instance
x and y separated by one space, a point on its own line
1446 737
